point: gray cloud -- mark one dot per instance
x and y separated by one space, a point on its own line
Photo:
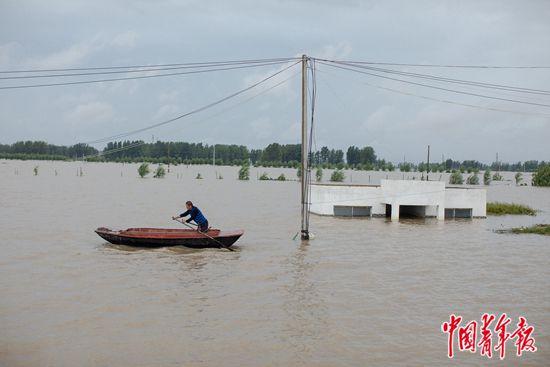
82 33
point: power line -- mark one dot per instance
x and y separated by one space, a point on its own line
200 109
307 174
450 65
140 143
451 80
135 70
140 77
115 150
434 87
213 63
540 114
208 63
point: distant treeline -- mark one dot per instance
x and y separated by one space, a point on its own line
40 150
472 166
274 155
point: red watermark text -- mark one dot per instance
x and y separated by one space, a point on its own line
476 335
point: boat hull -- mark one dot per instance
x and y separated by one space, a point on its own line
162 237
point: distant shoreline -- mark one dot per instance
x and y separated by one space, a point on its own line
273 155
46 158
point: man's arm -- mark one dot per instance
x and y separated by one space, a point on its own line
182 215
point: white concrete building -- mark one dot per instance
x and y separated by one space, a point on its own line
398 198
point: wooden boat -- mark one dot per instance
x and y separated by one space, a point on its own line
162 237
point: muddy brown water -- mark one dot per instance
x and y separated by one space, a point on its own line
363 292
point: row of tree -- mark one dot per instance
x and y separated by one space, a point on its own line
274 155
41 148
473 165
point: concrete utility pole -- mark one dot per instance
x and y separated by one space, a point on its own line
428 169
303 176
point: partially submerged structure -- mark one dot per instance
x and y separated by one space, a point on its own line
399 198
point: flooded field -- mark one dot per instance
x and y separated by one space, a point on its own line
363 292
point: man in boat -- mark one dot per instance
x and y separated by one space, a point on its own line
195 215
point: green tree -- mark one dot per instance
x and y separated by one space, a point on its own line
319 174
473 180
160 172
518 177
337 176
542 176
325 153
335 156
405 167
272 153
497 177
353 155
143 170
281 177
299 171
456 178
35 170
264 177
367 155
244 172
487 177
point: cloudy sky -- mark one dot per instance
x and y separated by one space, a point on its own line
399 120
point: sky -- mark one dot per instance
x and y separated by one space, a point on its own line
398 120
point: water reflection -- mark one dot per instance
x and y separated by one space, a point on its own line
190 258
305 309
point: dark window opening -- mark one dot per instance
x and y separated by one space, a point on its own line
352 211
451 213
412 211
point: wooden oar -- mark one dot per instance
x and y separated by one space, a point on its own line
213 239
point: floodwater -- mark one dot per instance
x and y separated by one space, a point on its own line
363 292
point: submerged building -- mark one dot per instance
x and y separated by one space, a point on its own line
399 198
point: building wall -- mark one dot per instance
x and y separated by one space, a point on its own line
431 194
416 193
459 197
324 197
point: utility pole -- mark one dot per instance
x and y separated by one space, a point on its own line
428 169
303 176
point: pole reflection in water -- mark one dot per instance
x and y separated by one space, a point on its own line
306 312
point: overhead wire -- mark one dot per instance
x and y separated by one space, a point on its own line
453 65
312 69
134 144
449 80
363 67
494 109
140 143
196 64
200 109
137 70
140 77
433 86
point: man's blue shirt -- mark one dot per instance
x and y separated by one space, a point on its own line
195 214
